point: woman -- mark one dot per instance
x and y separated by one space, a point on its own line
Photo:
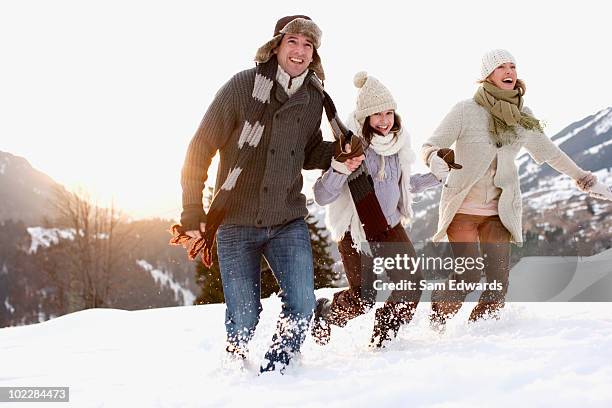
388 158
482 203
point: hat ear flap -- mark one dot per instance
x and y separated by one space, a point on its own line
316 66
265 52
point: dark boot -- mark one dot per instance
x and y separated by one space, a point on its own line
440 313
236 352
321 329
437 322
386 326
485 310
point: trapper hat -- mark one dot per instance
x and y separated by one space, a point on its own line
297 24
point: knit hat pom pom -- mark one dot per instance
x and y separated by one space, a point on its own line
360 79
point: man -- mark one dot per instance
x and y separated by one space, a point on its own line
265 123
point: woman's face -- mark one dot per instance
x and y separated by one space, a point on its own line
382 122
504 76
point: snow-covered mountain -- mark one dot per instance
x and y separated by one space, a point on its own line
551 200
588 142
25 192
37 259
37 265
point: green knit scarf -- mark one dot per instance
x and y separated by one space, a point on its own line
505 109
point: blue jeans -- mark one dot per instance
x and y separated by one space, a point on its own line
287 250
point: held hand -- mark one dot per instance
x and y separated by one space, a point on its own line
195 233
346 151
438 167
354 163
601 191
192 218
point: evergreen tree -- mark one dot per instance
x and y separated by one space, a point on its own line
209 281
324 276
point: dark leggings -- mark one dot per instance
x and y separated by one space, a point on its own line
357 299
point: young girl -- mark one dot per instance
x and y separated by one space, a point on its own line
482 202
388 159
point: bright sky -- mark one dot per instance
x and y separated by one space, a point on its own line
106 95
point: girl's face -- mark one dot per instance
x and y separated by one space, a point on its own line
382 122
504 76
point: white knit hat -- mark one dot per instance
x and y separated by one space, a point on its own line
373 97
492 60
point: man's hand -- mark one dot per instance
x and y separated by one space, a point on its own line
349 165
348 151
196 233
192 218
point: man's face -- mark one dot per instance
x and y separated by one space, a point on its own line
294 54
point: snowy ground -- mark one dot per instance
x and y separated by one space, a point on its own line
536 355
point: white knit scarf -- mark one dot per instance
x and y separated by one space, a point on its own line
341 215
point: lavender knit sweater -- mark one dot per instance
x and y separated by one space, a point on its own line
328 187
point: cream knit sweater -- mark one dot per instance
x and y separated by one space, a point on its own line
466 126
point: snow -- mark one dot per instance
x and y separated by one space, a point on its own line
562 139
531 168
605 124
317 211
560 188
50 236
604 175
420 214
537 354
8 306
427 194
46 236
604 114
519 161
595 149
164 279
551 191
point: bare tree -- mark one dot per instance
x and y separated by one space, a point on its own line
84 274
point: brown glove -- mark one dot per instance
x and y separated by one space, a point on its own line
341 155
448 155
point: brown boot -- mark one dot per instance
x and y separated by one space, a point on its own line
388 321
485 310
441 311
437 322
386 327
